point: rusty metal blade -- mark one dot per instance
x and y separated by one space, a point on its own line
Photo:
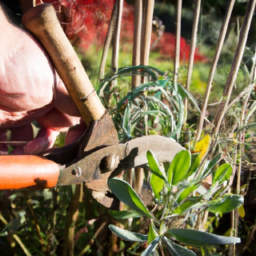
118 158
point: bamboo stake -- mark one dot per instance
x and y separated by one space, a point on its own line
177 42
235 65
192 51
148 9
136 53
220 42
137 40
108 39
116 39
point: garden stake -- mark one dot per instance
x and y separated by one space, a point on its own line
192 52
108 40
220 42
136 55
177 42
137 40
115 50
146 30
235 65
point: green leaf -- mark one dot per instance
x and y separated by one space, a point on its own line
152 233
13 225
198 238
186 192
186 205
127 235
226 204
126 125
183 91
209 165
250 112
222 174
179 167
124 192
156 183
175 249
195 162
151 247
122 215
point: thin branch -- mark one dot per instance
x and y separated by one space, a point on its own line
220 42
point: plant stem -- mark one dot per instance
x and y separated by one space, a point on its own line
73 213
16 238
192 51
235 65
35 222
220 42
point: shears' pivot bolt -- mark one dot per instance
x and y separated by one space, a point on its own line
77 171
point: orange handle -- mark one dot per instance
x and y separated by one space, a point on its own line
17 172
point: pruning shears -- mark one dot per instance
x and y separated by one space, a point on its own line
97 156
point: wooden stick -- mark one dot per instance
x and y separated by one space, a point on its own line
108 39
116 38
220 42
137 40
136 53
43 23
148 9
235 65
192 51
177 43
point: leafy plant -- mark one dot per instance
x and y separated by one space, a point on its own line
158 100
176 202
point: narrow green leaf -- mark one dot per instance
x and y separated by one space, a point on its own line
186 205
124 192
175 249
226 204
198 238
126 125
209 165
222 174
195 162
127 235
156 183
187 191
122 215
179 167
151 247
250 112
190 97
152 233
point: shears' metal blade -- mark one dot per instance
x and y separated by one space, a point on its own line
118 158
94 166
